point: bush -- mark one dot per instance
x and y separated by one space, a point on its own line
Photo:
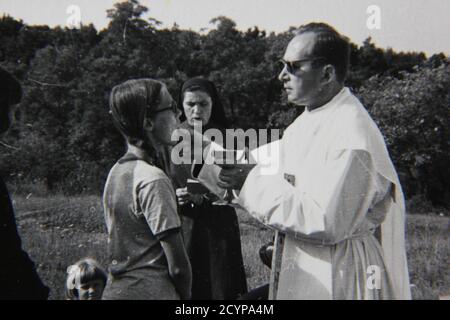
412 112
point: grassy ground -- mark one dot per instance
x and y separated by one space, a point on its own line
57 231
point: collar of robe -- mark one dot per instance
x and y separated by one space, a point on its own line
333 102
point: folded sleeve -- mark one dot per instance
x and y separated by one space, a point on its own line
327 208
158 204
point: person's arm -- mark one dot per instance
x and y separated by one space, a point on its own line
158 203
336 198
178 263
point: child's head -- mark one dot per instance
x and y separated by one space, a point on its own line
86 280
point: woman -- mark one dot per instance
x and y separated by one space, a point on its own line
211 232
147 258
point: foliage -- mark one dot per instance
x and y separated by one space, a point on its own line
413 112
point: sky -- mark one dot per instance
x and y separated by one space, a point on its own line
404 25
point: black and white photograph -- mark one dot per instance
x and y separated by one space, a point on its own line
229 152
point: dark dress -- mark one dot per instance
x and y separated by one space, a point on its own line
18 277
212 239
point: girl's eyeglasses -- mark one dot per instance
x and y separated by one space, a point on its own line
173 107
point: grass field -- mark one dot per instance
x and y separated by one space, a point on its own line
57 231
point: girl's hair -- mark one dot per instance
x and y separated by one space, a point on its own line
131 103
83 271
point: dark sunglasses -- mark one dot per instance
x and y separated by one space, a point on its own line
293 66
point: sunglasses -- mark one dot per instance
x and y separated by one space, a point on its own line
294 66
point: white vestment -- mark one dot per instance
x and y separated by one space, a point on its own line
342 186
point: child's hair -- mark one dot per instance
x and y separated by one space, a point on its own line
83 271
130 103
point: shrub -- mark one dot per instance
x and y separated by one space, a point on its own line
412 112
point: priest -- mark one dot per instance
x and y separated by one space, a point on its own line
335 194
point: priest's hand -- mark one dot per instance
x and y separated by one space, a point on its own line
232 176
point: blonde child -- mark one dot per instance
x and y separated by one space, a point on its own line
86 280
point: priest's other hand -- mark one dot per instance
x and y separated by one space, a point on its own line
232 176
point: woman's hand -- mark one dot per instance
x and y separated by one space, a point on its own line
184 197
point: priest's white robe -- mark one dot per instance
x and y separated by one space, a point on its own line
342 187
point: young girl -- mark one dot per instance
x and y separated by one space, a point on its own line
86 280
146 255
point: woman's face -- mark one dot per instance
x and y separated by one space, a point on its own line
197 107
91 290
165 118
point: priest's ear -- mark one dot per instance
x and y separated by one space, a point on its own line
148 125
329 74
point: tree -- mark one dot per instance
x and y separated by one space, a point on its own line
413 114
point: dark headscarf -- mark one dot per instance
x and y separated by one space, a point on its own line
218 119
